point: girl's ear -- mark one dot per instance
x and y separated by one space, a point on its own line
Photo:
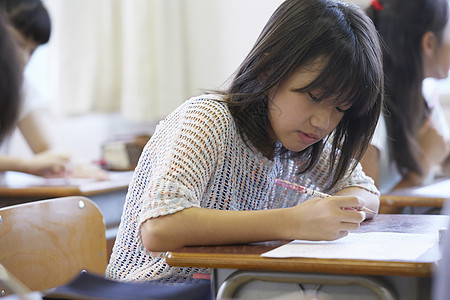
430 55
429 45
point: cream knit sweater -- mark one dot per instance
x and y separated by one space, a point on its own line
196 158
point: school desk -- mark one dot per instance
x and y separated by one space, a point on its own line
432 195
109 195
238 271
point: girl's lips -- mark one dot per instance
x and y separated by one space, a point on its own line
308 138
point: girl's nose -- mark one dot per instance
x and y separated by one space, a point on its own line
321 117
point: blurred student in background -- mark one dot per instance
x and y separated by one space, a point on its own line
10 81
412 137
30 25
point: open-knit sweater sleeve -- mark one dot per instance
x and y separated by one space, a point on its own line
182 156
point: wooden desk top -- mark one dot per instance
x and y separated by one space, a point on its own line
15 185
432 195
248 256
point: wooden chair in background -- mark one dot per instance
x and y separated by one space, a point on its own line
47 243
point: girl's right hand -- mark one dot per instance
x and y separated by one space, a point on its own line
326 218
47 164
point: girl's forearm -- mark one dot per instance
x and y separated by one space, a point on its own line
201 226
315 219
9 163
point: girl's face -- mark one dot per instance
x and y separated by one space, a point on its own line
438 64
297 119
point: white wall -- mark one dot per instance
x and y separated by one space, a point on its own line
235 26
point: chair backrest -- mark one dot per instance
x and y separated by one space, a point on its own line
47 243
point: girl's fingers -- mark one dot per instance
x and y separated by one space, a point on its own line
353 216
349 226
351 204
346 202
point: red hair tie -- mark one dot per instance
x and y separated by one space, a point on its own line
377 5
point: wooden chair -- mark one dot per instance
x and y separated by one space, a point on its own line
46 243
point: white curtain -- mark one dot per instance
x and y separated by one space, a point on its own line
142 58
118 55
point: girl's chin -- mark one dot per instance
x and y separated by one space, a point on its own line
296 148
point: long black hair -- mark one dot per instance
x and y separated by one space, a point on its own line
10 80
401 25
299 32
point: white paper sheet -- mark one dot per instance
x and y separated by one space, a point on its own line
22 180
367 246
438 188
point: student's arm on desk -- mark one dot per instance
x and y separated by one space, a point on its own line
35 129
44 164
370 163
435 149
315 219
435 145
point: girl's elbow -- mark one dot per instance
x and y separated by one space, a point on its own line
155 237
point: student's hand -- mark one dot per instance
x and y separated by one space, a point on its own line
47 164
435 146
88 171
327 218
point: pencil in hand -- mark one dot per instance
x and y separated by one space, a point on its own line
299 188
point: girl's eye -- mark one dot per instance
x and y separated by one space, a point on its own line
343 108
339 109
313 98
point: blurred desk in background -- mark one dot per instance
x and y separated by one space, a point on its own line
431 196
109 195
